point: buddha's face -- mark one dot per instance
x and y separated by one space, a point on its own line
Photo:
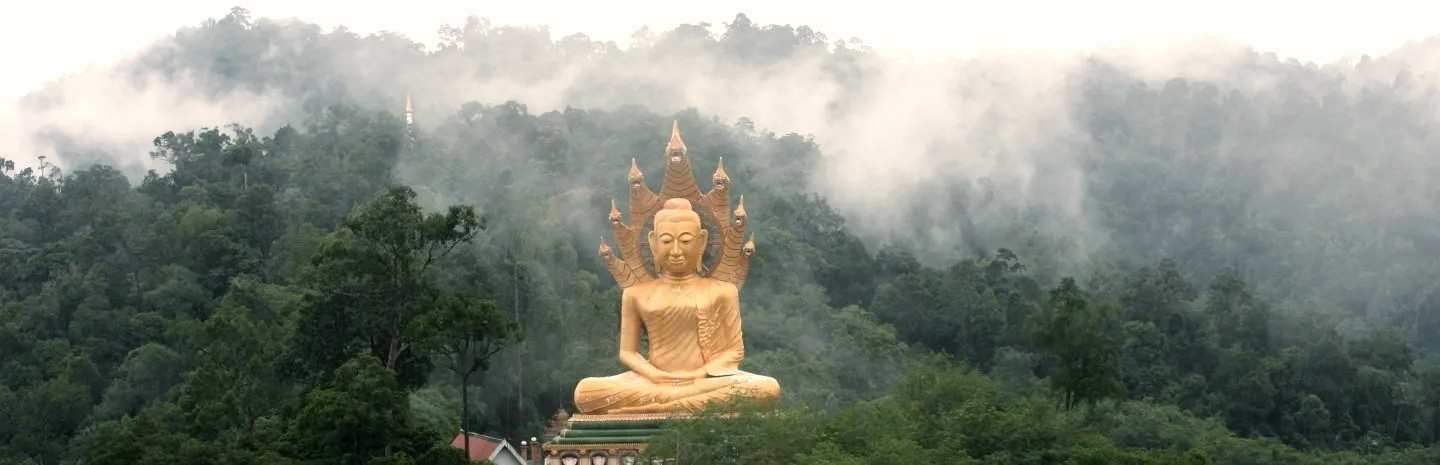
678 242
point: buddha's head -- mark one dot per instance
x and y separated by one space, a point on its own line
678 242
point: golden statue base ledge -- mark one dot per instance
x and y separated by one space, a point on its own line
626 417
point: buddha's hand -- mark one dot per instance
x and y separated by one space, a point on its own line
691 374
676 378
663 377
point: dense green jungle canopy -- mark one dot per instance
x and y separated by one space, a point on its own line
1244 274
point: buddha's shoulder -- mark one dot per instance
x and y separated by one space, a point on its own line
641 289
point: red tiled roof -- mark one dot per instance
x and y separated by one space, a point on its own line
482 447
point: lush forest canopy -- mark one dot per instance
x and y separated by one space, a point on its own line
1108 259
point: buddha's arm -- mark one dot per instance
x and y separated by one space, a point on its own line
629 355
728 346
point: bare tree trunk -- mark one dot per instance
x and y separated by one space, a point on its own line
465 412
393 358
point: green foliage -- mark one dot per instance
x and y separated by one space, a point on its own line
147 375
359 417
237 379
969 310
944 414
373 289
1082 338
156 323
151 437
467 333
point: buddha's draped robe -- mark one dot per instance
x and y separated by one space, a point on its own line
689 327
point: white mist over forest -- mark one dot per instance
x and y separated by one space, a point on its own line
933 154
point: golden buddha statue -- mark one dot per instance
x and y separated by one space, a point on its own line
691 317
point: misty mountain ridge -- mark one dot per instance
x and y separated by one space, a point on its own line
1201 254
970 147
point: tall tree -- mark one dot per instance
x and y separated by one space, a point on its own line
372 283
1240 318
467 332
1083 339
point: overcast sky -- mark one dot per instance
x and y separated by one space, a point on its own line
42 40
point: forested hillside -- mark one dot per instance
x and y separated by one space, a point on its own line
1213 267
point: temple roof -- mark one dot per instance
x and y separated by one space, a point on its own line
482 447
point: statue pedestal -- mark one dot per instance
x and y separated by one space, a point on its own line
604 439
